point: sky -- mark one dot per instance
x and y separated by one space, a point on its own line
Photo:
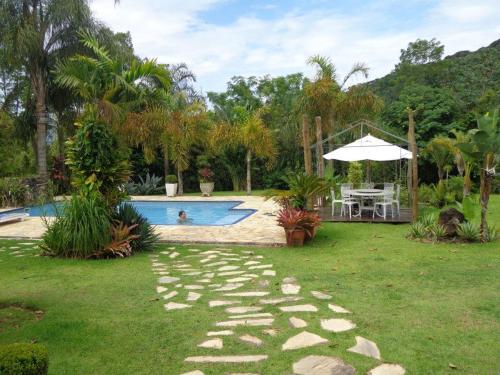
219 39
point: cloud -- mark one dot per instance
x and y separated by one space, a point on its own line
252 44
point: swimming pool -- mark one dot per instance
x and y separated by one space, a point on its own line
166 212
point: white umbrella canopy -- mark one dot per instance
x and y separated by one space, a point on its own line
369 148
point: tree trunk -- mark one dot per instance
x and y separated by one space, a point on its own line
467 180
40 91
166 164
484 193
307 145
330 142
320 166
249 173
414 165
61 148
180 186
440 174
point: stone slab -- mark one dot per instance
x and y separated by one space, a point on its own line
387 369
320 295
322 365
226 332
337 325
365 347
296 322
245 322
175 306
243 309
252 340
299 308
303 340
338 309
227 359
212 344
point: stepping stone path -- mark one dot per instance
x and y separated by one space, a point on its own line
240 285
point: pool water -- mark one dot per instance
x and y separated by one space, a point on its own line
166 213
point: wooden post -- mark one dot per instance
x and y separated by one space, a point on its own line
414 165
320 166
307 145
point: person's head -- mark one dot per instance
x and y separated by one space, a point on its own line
182 215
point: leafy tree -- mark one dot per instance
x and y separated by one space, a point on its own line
484 149
422 51
440 149
36 33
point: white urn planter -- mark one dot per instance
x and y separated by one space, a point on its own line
206 188
171 190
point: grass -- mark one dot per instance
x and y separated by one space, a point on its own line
426 306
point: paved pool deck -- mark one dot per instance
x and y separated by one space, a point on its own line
259 228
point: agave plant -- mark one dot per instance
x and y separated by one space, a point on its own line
417 231
469 231
438 231
149 185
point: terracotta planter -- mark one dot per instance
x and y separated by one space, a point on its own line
295 237
312 234
206 188
171 190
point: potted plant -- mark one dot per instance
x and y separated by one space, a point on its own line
311 223
292 220
171 185
206 181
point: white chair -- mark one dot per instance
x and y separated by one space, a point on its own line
334 200
347 201
385 202
367 185
396 199
388 186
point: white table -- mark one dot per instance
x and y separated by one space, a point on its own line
366 194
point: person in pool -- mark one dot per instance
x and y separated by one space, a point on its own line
183 219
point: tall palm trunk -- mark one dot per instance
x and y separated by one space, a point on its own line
40 91
484 193
249 173
180 187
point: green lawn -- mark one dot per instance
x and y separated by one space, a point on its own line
425 305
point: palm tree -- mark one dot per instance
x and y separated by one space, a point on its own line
258 141
440 149
327 97
462 161
39 32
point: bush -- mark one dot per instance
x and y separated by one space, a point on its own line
469 231
437 231
13 192
23 359
304 188
425 193
492 234
146 236
171 179
417 231
81 229
355 174
149 186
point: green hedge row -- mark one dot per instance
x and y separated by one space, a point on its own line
23 359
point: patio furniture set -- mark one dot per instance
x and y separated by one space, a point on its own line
367 198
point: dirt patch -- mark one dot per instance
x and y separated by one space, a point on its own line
16 315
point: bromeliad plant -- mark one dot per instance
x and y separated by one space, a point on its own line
206 175
298 224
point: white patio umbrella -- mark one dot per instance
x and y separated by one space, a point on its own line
369 148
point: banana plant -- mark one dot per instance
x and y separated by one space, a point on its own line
484 148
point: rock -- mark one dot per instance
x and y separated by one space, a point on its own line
245 322
449 219
255 315
161 289
227 359
238 279
222 303
211 344
249 339
167 279
193 287
270 332
269 273
243 309
175 306
228 268
337 325
251 263
247 294
303 340
227 332
297 323
196 372
338 309
299 308
275 301
260 267
365 347
173 293
322 365
230 273
387 369
228 287
290 288
320 295
193 296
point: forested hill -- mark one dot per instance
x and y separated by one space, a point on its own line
445 92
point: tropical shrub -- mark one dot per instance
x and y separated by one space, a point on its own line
437 231
304 188
171 179
206 175
80 230
468 231
13 192
96 161
492 233
425 193
417 231
23 359
144 233
148 186
295 219
355 174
